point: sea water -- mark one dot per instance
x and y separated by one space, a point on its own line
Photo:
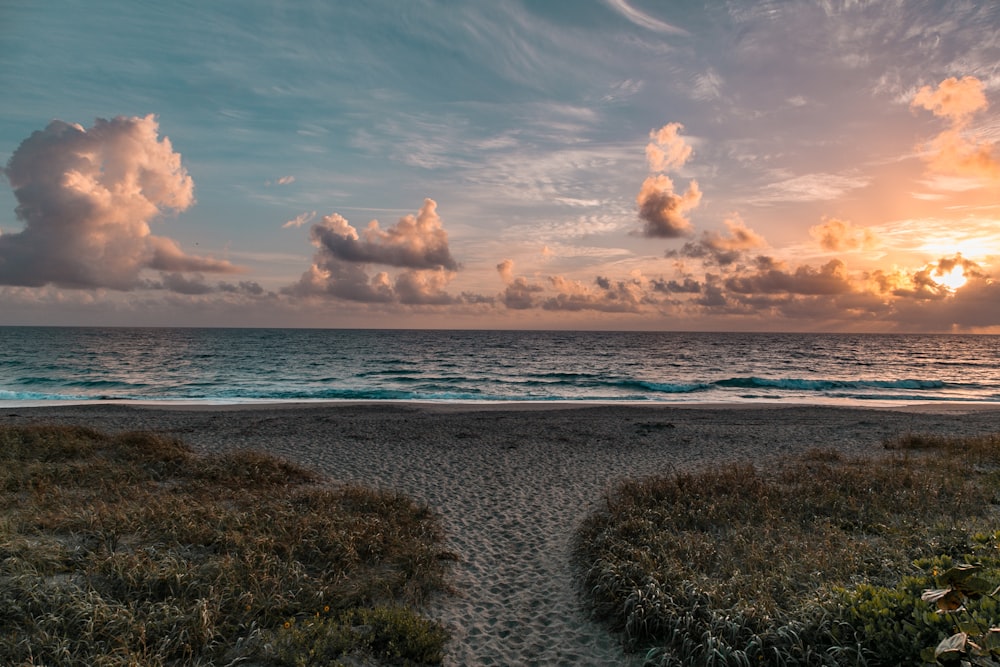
39 365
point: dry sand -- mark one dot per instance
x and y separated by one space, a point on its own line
512 483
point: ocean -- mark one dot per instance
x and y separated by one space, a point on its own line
41 365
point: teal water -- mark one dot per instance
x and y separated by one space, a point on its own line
42 364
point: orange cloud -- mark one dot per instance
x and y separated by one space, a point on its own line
667 150
722 249
610 297
660 207
506 270
955 99
953 151
839 235
663 210
86 197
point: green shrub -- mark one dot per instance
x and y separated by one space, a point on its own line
390 634
815 560
131 550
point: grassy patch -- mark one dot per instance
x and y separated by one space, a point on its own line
132 550
818 560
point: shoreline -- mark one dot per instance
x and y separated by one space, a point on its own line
929 406
512 482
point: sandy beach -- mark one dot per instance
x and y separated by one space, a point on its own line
512 482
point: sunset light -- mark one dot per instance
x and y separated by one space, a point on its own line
511 272
602 164
952 279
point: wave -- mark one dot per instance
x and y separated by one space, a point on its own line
80 384
536 387
799 384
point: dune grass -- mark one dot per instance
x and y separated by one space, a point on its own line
820 560
132 550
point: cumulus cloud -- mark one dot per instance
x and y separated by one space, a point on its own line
667 150
417 243
624 296
953 151
722 249
196 284
839 235
520 292
932 282
506 270
86 198
771 276
424 287
661 208
955 99
686 286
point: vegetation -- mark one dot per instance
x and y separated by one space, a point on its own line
132 550
821 560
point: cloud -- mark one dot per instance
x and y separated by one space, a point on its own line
417 243
688 286
667 150
424 287
506 270
624 296
929 283
519 293
840 235
644 20
953 151
86 198
299 220
955 99
660 207
177 282
722 249
771 277
810 187
195 284
663 210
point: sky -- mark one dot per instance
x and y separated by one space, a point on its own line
739 165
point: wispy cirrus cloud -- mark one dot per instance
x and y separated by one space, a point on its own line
643 19
810 187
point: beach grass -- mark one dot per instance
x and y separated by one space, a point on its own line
132 550
817 560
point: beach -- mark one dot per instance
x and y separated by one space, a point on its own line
512 482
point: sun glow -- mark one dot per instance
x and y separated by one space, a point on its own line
952 279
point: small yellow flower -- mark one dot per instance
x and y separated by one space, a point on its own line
326 608
287 624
